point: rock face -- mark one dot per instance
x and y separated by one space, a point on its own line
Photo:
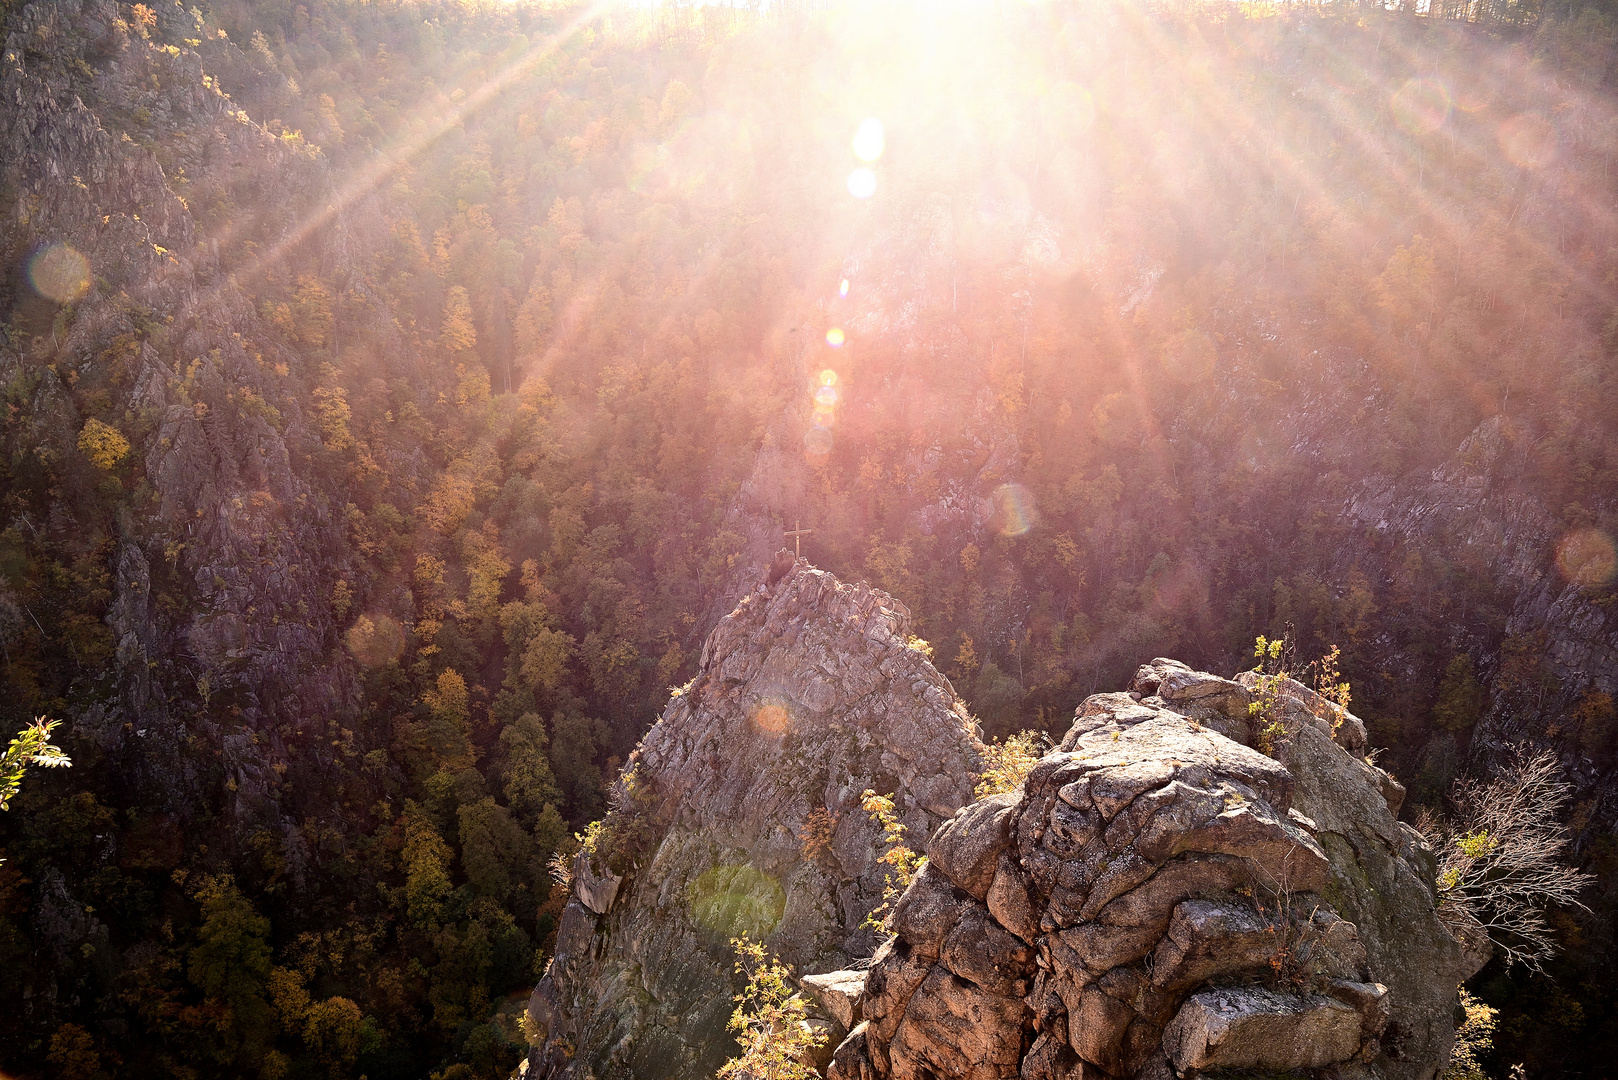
103 130
1162 899
740 813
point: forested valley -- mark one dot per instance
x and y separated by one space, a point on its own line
398 391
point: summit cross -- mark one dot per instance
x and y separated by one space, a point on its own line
798 532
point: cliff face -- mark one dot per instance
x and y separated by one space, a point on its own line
1474 510
222 546
741 814
1161 899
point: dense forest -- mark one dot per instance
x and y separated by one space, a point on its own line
397 391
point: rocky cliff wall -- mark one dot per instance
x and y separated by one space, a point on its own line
809 693
1161 899
223 562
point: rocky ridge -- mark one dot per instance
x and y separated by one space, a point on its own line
1160 899
740 813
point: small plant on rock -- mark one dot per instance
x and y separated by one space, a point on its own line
1332 687
903 863
817 832
1006 763
1265 707
625 836
769 1021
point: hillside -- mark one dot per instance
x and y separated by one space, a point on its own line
399 394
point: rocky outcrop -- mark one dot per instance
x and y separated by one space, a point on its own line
740 813
1160 899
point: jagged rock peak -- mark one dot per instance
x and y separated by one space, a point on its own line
1162 899
740 812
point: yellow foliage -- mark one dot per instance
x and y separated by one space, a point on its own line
448 698
1006 763
426 860
289 996
332 1030
456 334
1473 1039
458 489
1404 289
473 387
73 1053
311 312
332 415
488 568
102 444
966 658
969 559
544 660
451 501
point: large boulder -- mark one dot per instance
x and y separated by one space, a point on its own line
740 813
1167 900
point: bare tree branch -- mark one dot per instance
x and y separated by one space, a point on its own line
1500 857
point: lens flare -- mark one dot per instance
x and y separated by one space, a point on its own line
1012 511
817 442
842 290
862 183
826 397
834 337
868 142
1587 557
1529 140
1473 98
772 718
828 377
1421 106
736 901
59 273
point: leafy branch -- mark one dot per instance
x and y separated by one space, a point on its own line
32 746
903 863
1006 763
769 1021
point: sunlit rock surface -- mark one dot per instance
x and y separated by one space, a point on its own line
1162 899
807 695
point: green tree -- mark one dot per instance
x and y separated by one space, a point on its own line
231 965
493 847
449 718
573 748
529 783
426 861
1460 697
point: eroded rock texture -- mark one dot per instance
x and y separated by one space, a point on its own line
742 814
1162 899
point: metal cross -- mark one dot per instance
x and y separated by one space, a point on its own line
798 532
